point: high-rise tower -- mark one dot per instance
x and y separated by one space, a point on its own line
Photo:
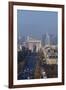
47 40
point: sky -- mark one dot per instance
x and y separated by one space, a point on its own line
36 23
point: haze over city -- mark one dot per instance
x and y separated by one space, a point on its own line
36 23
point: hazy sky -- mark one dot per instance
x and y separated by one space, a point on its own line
36 23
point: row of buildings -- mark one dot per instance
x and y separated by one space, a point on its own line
50 51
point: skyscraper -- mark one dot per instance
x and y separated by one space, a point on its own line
47 39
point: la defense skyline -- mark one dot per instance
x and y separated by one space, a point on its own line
45 39
36 24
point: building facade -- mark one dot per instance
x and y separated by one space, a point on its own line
33 44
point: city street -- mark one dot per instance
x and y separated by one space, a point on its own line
34 68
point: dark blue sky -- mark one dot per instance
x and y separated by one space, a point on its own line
36 23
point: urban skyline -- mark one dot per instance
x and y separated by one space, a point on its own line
46 38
